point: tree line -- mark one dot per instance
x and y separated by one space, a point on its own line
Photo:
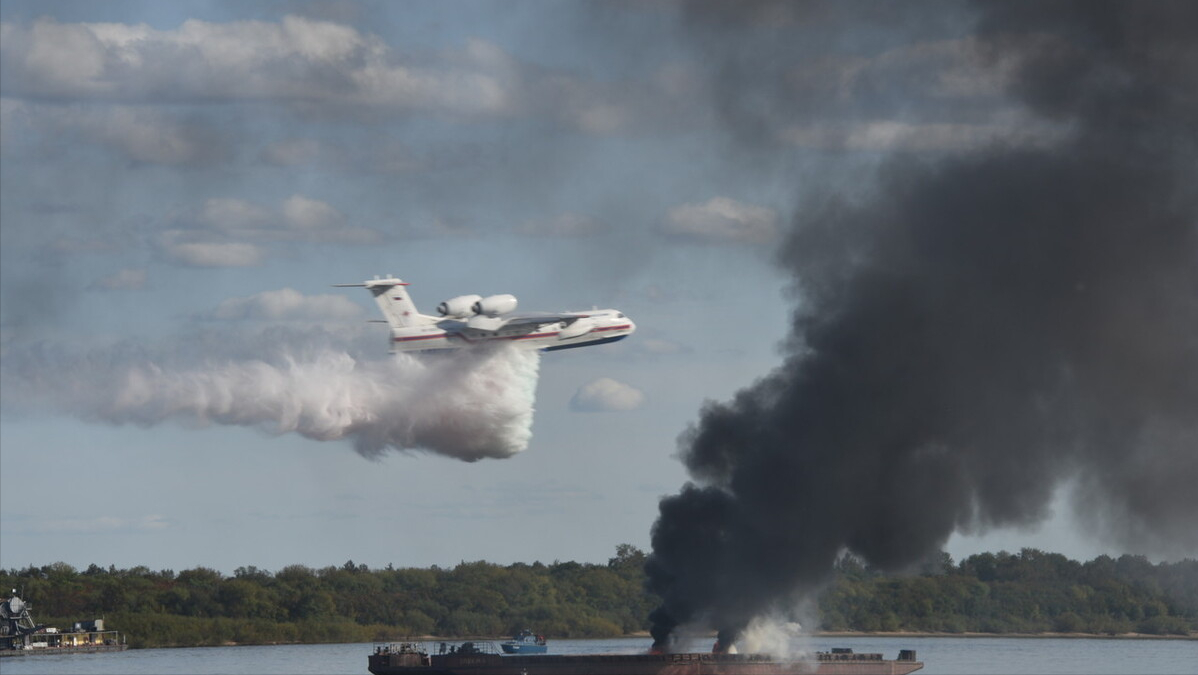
1027 592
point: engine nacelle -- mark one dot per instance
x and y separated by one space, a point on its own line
494 305
459 307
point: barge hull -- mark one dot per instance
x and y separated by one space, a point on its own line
634 664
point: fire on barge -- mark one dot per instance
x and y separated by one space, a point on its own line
472 658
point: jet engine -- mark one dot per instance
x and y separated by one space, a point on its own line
494 305
459 307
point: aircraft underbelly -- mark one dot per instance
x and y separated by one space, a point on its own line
584 343
551 340
423 342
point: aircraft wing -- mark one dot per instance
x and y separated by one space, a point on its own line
526 320
531 318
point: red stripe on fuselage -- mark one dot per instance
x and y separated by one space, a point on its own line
532 335
420 337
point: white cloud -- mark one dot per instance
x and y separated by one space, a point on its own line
69 55
198 254
149 137
722 219
124 280
225 220
296 59
310 215
233 215
606 395
138 134
309 64
887 135
285 304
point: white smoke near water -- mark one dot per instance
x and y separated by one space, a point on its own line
774 636
472 404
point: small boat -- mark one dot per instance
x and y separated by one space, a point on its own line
526 642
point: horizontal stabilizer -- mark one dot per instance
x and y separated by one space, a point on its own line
392 298
373 283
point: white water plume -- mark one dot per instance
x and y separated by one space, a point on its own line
470 405
774 636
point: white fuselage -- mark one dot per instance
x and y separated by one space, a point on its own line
598 326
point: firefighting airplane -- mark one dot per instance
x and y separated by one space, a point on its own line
471 320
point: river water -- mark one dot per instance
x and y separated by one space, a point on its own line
966 655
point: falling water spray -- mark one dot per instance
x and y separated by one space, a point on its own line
472 405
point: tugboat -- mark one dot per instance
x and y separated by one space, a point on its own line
470 658
20 636
526 642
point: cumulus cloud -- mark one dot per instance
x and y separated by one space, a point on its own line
207 254
721 219
297 59
309 65
232 232
139 135
890 135
285 304
298 218
233 215
606 395
124 280
311 215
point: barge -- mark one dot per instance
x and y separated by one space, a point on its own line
472 658
20 636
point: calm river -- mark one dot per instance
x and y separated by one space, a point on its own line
940 655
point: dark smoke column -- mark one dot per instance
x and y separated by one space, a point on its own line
984 329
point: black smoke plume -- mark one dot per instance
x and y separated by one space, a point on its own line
979 332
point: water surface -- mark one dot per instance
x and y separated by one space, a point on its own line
967 656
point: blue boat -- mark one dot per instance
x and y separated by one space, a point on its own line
525 643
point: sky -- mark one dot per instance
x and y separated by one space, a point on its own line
182 183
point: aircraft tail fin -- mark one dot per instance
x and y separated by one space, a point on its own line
392 297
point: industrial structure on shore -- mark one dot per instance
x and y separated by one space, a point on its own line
20 636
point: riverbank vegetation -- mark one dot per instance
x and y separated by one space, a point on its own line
1027 592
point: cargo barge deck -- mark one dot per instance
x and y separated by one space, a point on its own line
474 659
